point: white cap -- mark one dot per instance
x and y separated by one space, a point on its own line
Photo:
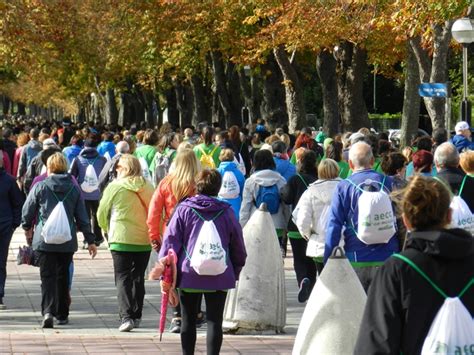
461 126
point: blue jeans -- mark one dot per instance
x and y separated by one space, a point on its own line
6 233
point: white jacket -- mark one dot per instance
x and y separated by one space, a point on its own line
308 212
265 177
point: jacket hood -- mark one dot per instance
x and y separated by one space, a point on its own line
89 153
446 243
228 166
35 145
135 184
206 204
324 189
267 177
59 182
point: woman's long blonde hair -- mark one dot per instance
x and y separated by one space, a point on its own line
184 173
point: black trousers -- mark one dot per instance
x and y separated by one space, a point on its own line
129 268
190 305
54 272
6 233
91 208
303 265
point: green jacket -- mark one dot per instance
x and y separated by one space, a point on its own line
122 214
208 149
146 152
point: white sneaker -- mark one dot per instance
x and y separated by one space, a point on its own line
126 326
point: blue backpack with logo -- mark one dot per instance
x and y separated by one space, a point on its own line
269 195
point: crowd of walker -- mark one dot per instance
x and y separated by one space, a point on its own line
381 237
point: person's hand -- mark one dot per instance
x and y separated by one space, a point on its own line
92 250
156 245
29 236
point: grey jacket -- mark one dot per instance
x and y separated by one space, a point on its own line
41 201
263 178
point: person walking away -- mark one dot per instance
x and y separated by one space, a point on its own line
233 180
446 159
106 148
394 164
11 201
283 165
423 163
55 256
9 146
122 213
334 151
22 142
206 152
264 186
109 172
187 234
291 193
74 148
241 150
367 245
463 138
177 186
37 166
146 152
32 149
86 168
410 289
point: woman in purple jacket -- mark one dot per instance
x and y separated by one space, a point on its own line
181 235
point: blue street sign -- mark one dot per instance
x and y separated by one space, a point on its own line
433 90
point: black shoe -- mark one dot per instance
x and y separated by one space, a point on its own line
48 321
305 290
136 322
201 319
175 326
63 321
2 306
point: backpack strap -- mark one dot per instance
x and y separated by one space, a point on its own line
214 150
141 202
462 184
65 196
431 282
444 184
302 179
203 219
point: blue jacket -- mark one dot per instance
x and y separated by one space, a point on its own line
105 147
285 168
11 200
71 152
79 166
462 143
344 213
232 167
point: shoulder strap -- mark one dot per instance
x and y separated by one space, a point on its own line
203 219
65 196
202 151
444 184
462 184
142 202
302 179
214 150
431 282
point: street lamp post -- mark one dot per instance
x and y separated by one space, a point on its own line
463 32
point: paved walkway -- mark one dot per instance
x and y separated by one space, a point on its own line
94 319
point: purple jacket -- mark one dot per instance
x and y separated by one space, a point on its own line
183 230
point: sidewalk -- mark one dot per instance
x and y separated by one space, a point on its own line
94 317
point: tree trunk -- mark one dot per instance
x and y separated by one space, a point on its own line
184 103
326 67
273 108
95 108
411 99
149 108
125 117
5 105
21 109
251 92
139 105
294 97
111 112
220 84
235 95
172 107
351 66
435 69
201 110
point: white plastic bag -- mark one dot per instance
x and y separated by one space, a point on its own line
230 187
461 215
240 164
91 181
209 257
56 230
452 330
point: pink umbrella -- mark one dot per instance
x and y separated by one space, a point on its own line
166 268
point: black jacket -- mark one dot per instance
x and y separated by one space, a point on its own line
36 166
40 203
10 148
401 304
11 200
454 177
292 191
